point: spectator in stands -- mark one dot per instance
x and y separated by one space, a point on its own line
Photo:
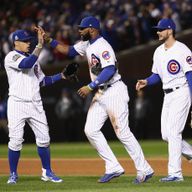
127 21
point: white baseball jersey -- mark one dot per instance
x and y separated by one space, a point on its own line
113 103
171 65
24 103
99 52
23 83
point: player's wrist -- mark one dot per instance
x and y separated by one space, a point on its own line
92 85
89 88
39 46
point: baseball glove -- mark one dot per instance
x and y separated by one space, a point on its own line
70 71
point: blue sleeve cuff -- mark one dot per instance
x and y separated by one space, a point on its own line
49 80
54 43
104 76
189 79
153 79
72 52
93 84
28 62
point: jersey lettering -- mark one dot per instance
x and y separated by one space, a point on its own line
36 71
94 60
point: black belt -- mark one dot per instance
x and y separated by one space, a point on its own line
166 91
102 87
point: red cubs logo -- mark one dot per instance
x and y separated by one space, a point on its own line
173 67
189 60
106 55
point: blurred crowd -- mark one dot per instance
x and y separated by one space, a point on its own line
124 23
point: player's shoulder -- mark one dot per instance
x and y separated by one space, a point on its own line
181 45
103 41
13 55
159 49
82 43
103 44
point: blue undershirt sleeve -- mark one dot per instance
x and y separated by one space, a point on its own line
189 79
72 52
28 62
153 79
105 75
49 80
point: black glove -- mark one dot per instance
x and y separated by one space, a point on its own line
70 71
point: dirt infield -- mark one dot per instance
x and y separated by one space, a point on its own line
87 166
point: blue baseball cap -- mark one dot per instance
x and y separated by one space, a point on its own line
166 24
89 21
21 35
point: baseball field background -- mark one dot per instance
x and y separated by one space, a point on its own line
80 167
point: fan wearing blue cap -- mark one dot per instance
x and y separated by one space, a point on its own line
110 100
24 103
172 65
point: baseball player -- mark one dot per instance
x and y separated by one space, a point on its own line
172 65
111 100
24 103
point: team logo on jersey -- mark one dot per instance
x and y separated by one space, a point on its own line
106 55
94 60
189 60
15 57
173 67
36 71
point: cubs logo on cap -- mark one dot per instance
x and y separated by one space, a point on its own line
21 35
173 67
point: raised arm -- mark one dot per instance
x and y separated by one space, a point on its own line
64 49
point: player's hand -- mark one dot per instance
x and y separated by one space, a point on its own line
40 34
141 84
63 76
84 91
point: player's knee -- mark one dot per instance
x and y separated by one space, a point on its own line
15 144
89 133
174 135
43 143
164 137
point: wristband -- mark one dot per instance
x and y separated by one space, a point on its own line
93 84
89 88
39 46
54 43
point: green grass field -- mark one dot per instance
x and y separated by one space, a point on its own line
84 150
89 183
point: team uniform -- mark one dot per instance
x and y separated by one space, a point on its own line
111 100
171 65
24 103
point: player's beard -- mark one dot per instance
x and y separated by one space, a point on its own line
86 37
163 38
